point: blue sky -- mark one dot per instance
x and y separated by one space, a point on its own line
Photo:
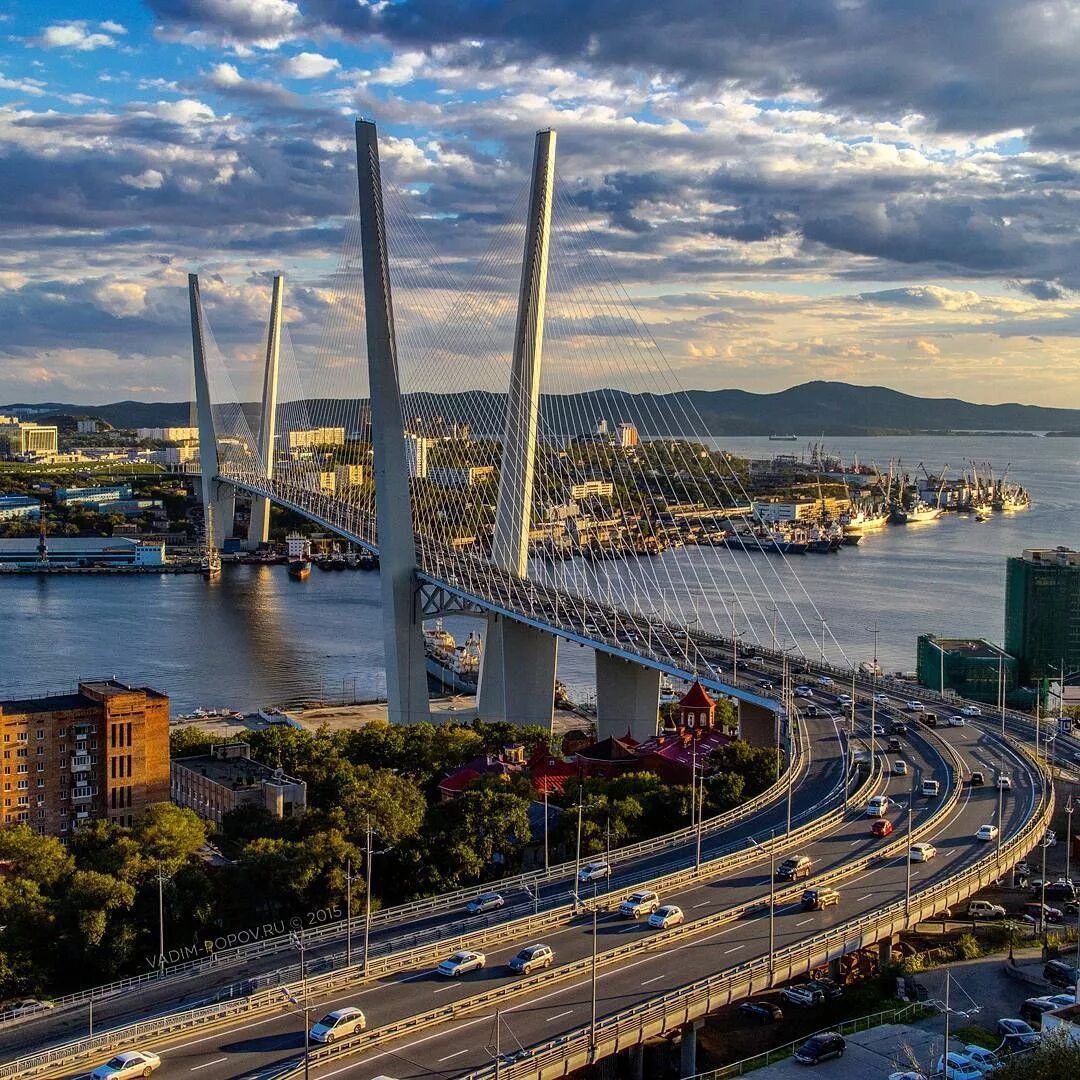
881 191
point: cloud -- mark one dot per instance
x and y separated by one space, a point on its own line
308 65
1040 290
121 298
112 27
926 348
924 296
147 180
224 76
261 23
74 35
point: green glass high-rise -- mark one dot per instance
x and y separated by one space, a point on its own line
1042 611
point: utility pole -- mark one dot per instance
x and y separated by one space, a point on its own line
367 896
348 912
1000 818
699 786
161 919
1001 690
907 886
1068 838
693 779
577 856
592 1025
772 902
547 865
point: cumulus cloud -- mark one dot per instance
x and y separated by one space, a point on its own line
76 35
224 76
925 296
121 298
147 180
262 23
309 65
1040 290
926 348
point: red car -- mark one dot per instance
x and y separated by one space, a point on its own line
881 827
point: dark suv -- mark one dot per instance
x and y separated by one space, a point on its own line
819 1047
1061 974
795 867
765 1012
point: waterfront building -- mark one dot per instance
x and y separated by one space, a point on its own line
465 477
417 448
1042 611
167 434
27 439
311 438
102 752
13 507
107 493
175 458
971 667
626 436
602 489
227 778
73 551
349 476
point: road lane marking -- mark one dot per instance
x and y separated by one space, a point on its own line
704 903
735 949
443 989
866 897
456 1053
804 922
655 978
557 1016
207 1064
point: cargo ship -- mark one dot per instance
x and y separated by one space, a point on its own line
299 556
449 665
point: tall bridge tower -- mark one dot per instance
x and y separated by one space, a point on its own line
259 523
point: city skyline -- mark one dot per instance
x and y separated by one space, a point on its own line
805 191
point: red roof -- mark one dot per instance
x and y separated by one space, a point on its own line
674 749
696 698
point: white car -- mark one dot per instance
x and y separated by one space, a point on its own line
462 962
879 730
801 994
878 806
803 691
485 902
922 851
129 1063
339 1024
956 1066
1004 782
30 1005
986 1061
987 832
643 902
907 1075
881 699
594 871
667 916
899 768
844 699
824 680
914 706
956 721
971 710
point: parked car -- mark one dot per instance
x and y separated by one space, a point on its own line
906 1074
594 871
1033 1008
976 778
986 1061
821 1047
899 767
817 899
532 958
485 902
882 827
1016 1035
801 994
957 721
987 832
957 1066
1060 890
914 706
766 1012
643 902
1004 781
1032 912
794 867
462 962
1059 973
663 918
971 710
127 1064
339 1024
829 987
923 851
983 909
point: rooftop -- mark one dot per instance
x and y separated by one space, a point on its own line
1058 556
78 700
234 772
977 648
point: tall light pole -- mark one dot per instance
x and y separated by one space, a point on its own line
577 856
369 858
907 884
1001 796
1001 690
772 902
592 1025
699 785
161 918
1068 837
547 865
348 912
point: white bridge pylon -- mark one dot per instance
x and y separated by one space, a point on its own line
422 574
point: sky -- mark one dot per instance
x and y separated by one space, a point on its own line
876 191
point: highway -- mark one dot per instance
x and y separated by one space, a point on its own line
255 1044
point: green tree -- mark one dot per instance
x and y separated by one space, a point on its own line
1054 1055
169 835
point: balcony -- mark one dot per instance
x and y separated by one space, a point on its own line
80 762
79 793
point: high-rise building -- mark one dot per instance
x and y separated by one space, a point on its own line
1042 611
416 455
102 752
310 438
168 434
972 667
25 439
626 436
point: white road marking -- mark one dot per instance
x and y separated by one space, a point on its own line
804 922
866 897
443 989
207 1064
456 1053
655 978
704 903
558 1016
736 948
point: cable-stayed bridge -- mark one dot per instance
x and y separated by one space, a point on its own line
480 453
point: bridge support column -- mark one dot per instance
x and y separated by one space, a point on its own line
885 952
218 498
517 673
627 696
834 969
636 1061
259 523
688 1049
403 638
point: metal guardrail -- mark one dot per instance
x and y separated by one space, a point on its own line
429 905
631 1026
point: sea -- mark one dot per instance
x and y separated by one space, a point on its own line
256 638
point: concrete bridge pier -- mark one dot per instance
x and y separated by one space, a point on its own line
885 952
517 673
688 1048
627 697
636 1062
834 969
259 523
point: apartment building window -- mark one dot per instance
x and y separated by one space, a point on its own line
22 736
129 734
130 772
40 783
62 732
41 751
7 754
41 766
22 768
24 800
41 733
23 785
21 752
7 785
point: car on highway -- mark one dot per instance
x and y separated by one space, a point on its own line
663 918
894 744
765 1012
878 730
821 1047
878 806
817 899
485 902
930 787
339 1024
899 767
881 827
899 728
461 963
957 1066
987 832
803 691
27 1005
594 871
881 699
532 958
844 699
923 851
971 710
976 779
811 711
803 995
794 867
1004 781
1016 1034
824 680
130 1063
983 909
643 902
957 721
914 706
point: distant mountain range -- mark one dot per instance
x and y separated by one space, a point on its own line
813 408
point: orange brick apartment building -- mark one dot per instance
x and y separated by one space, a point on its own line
102 752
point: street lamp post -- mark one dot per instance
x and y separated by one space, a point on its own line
1000 819
577 856
369 855
1068 838
161 919
907 884
699 786
348 912
592 1025
772 902
546 862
